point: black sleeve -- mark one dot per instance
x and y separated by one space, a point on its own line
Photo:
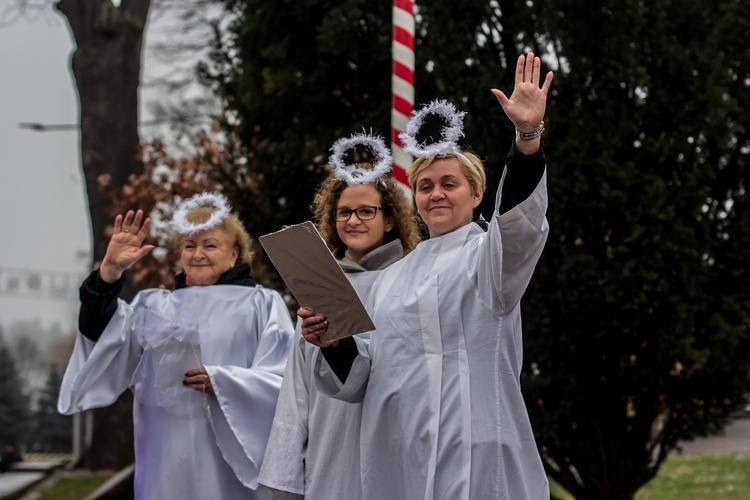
98 304
523 173
341 357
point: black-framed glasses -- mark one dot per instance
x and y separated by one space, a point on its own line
363 213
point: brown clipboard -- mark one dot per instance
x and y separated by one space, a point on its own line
315 279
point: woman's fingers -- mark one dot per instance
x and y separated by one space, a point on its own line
133 223
198 379
138 218
314 328
528 74
143 232
547 82
127 221
315 324
118 224
304 312
520 65
143 251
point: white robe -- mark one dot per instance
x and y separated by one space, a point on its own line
443 415
190 445
314 445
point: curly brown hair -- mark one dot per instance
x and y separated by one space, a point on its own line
394 201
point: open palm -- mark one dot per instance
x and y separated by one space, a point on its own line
126 245
527 103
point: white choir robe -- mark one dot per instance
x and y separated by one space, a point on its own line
443 414
190 445
314 445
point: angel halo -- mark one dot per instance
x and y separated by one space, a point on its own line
351 174
216 201
451 132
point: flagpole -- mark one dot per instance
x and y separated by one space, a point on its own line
402 84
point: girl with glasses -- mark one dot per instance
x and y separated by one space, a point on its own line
368 223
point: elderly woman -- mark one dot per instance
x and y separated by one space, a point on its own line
368 223
443 415
204 361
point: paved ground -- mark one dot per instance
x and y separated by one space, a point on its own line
11 483
735 439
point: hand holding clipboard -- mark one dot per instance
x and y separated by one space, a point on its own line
315 279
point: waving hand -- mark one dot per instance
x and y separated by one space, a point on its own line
126 245
527 103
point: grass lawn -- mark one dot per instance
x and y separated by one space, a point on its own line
71 486
707 477
702 477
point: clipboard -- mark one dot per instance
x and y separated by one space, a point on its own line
315 279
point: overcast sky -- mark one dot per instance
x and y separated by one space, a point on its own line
44 223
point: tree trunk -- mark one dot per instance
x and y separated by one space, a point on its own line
106 66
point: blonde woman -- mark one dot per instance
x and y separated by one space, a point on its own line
204 361
443 415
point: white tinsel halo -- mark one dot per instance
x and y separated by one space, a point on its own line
217 201
451 133
352 174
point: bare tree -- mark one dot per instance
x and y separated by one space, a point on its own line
106 65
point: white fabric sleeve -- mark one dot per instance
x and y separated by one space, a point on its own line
242 411
506 258
353 391
284 461
98 372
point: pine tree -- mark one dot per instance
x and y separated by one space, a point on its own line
52 432
638 336
14 404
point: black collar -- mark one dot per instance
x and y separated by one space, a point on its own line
238 275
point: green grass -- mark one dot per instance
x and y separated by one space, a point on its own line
700 478
71 487
708 477
714 477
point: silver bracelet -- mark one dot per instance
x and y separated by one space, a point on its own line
527 136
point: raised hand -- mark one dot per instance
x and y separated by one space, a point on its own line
527 103
126 245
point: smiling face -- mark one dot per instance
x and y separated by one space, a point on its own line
362 236
444 197
208 254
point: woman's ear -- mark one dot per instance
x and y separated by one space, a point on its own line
389 223
477 198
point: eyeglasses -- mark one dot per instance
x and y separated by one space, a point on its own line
363 213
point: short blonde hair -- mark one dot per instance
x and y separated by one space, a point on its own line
231 225
471 166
